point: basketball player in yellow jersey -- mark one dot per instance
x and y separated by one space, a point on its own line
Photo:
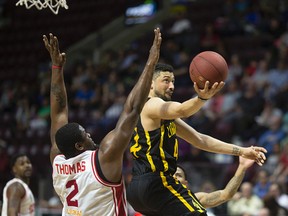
216 198
154 146
88 177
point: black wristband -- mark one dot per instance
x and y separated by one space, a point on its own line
203 99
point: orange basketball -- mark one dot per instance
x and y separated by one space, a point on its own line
208 65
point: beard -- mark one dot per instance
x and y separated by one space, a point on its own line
162 96
27 173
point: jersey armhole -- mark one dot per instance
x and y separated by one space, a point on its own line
98 168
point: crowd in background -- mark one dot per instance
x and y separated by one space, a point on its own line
252 109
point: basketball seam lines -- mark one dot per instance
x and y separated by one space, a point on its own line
212 65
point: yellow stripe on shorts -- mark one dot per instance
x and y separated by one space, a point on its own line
176 194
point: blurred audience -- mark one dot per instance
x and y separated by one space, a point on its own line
271 138
245 202
277 192
262 183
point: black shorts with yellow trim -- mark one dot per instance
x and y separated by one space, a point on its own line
158 194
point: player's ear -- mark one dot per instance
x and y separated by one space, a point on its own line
152 84
79 146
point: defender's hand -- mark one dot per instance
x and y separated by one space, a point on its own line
155 49
245 163
52 46
255 153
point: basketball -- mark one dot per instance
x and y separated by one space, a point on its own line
208 65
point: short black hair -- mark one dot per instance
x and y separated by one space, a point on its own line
162 67
66 138
15 158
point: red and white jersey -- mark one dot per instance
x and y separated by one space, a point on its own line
27 205
81 189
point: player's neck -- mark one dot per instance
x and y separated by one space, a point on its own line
24 179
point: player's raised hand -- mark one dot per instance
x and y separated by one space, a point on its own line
245 163
155 49
52 45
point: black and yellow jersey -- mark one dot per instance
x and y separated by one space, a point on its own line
154 151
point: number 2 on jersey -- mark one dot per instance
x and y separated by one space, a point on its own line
69 198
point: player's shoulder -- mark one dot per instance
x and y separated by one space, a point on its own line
154 100
15 181
152 107
153 104
16 184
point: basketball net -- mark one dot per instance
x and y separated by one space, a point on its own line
54 5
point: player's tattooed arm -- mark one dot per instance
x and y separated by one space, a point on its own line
236 151
59 95
215 198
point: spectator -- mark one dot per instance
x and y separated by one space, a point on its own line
261 75
272 137
79 78
278 78
244 202
85 96
181 23
235 68
280 196
249 105
210 39
280 173
263 212
274 208
262 184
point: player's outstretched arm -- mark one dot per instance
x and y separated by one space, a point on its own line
160 109
115 143
211 144
58 96
215 198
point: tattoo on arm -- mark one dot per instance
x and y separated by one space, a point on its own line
59 95
234 184
213 199
236 151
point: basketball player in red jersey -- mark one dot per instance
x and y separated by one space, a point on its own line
88 177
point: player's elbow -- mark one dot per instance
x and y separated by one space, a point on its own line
134 106
227 196
182 114
200 142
